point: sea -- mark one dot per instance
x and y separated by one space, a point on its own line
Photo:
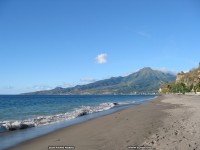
23 117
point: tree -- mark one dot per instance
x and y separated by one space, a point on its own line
179 88
197 87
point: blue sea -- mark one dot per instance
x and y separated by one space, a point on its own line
23 117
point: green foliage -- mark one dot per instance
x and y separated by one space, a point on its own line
145 80
180 88
197 87
186 82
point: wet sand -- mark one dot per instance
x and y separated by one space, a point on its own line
168 122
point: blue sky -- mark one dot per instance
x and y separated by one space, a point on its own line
49 43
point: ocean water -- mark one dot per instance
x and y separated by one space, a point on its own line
23 117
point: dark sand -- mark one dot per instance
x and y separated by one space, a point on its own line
117 131
181 128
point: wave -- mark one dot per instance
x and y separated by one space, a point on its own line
11 125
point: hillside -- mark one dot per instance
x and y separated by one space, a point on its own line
185 82
145 80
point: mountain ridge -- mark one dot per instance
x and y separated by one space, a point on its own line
144 80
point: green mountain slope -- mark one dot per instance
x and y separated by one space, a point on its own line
145 80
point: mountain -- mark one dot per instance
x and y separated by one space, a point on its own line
144 80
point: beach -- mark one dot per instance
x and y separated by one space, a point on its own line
167 122
180 130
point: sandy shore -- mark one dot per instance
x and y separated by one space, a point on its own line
181 128
169 122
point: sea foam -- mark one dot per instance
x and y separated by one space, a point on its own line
10 125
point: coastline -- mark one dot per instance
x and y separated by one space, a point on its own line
167 122
94 133
93 107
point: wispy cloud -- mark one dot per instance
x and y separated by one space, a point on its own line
88 80
41 87
163 69
101 58
38 87
8 87
144 34
65 85
47 87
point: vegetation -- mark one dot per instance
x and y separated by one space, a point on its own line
185 82
175 88
145 80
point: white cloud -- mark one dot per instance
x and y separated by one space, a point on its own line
42 87
46 87
66 85
88 80
101 58
163 69
186 71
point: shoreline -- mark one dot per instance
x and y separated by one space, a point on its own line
167 122
112 122
20 136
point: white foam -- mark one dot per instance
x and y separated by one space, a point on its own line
15 125
44 120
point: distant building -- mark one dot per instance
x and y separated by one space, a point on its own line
160 90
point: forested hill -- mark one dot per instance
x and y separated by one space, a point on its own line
144 80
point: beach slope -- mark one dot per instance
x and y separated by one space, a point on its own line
181 128
168 122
